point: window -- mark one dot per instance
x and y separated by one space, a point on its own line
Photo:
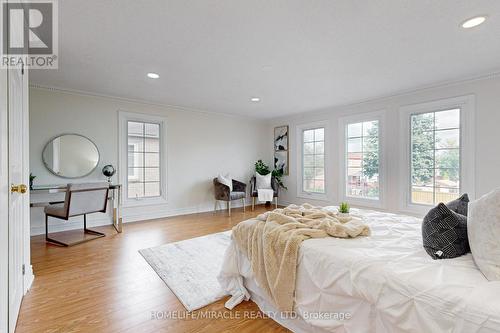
435 156
362 160
142 158
313 160
361 157
143 141
437 152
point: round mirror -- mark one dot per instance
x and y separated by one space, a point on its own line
70 156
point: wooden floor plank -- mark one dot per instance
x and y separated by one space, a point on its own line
106 286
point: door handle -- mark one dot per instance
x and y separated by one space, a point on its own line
21 188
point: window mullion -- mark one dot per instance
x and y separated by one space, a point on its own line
434 169
303 162
143 159
362 158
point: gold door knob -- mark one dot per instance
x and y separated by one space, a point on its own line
19 188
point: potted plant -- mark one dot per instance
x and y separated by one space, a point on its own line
343 209
32 180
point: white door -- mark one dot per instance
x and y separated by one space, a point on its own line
18 200
4 205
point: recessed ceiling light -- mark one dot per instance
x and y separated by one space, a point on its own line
153 75
255 99
473 22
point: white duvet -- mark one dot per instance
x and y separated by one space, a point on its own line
382 283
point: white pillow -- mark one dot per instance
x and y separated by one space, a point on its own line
263 182
226 180
483 229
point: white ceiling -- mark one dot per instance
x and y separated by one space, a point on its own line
296 55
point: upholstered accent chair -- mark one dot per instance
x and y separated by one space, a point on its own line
223 193
81 199
254 194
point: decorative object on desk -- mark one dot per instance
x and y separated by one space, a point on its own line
108 171
71 156
32 180
281 138
281 149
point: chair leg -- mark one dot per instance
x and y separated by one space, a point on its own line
229 207
243 202
215 206
46 227
276 200
83 240
89 231
47 238
253 204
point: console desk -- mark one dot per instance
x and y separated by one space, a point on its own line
43 195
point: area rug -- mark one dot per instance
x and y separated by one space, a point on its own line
190 268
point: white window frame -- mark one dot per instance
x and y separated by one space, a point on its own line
466 104
123 118
299 144
343 122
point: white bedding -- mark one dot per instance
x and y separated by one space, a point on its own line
382 283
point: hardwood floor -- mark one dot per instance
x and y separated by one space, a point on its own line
106 286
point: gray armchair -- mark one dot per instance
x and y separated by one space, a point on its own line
222 193
254 193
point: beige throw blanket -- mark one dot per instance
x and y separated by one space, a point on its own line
272 245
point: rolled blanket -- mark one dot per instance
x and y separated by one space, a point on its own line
272 244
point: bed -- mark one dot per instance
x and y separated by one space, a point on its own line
382 283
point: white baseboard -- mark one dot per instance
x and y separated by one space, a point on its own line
129 214
140 215
28 278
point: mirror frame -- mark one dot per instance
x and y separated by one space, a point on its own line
83 136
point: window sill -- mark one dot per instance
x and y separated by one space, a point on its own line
371 203
144 202
313 196
415 209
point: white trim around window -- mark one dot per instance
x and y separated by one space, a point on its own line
300 170
123 119
343 123
466 104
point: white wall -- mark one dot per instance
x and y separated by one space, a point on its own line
487 137
200 145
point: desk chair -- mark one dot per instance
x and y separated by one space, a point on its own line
81 199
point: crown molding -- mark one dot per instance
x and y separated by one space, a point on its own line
405 92
442 84
139 101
